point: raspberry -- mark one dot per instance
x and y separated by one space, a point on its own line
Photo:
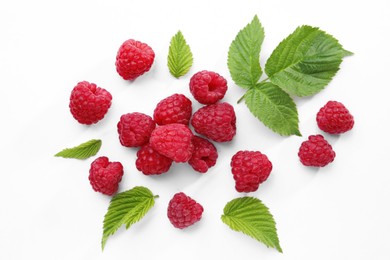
134 129
208 87
316 152
334 118
150 162
204 155
217 122
173 141
250 169
173 109
105 176
89 103
183 211
133 59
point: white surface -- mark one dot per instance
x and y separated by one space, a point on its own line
48 209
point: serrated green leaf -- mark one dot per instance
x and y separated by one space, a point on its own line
180 56
251 217
305 62
126 208
244 55
82 151
274 107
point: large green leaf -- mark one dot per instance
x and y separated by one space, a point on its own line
251 217
180 56
274 107
305 62
244 55
126 208
82 151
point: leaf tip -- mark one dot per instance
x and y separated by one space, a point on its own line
347 53
179 33
104 240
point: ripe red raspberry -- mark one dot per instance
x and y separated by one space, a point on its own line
173 141
316 152
183 211
250 169
334 118
173 109
133 59
89 103
150 162
217 122
134 129
208 87
105 176
204 155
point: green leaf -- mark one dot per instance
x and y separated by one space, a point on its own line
305 62
126 208
274 107
251 217
82 151
244 55
180 56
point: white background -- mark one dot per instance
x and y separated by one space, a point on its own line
48 209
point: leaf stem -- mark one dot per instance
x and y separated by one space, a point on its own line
241 98
156 196
264 80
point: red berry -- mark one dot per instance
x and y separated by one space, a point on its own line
173 109
250 169
204 155
133 59
334 118
173 141
105 176
134 129
217 122
89 103
150 162
183 211
316 152
208 87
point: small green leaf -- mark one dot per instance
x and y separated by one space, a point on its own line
305 62
180 56
82 151
244 55
274 107
126 208
251 217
